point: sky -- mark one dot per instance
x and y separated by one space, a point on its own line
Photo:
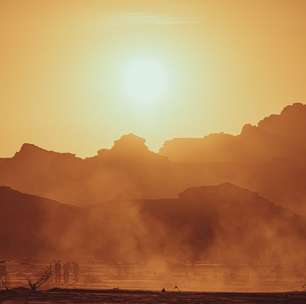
65 64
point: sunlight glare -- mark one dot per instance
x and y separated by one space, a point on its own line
145 81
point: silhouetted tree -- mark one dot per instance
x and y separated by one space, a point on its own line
44 277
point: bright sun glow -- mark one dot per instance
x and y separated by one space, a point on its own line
145 81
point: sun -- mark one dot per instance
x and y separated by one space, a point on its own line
145 81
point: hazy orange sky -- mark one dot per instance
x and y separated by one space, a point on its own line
62 66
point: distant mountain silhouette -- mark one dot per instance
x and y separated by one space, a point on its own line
130 147
127 170
222 223
268 158
275 137
41 172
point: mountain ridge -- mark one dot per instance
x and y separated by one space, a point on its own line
266 162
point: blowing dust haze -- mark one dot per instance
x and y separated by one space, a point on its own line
152 146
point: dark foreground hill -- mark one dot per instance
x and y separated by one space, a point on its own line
220 224
228 224
32 226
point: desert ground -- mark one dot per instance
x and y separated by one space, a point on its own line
145 297
134 283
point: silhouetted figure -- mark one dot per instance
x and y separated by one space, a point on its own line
176 288
3 274
66 272
75 271
58 272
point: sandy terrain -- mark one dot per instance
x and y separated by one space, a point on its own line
101 283
197 277
144 297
